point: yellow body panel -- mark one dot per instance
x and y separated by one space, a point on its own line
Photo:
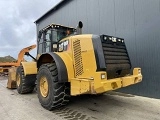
84 86
30 68
87 54
89 65
68 62
80 86
80 62
11 83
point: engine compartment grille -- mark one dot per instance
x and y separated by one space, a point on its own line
77 58
116 56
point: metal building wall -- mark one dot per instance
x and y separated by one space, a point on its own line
137 21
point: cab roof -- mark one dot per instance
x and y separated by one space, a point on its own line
53 25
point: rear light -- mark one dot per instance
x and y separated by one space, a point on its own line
103 76
139 71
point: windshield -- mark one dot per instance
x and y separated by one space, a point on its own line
60 34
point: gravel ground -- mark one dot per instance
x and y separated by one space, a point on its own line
110 106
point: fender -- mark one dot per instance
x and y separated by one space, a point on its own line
30 68
61 67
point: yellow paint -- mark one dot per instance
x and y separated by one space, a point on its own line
67 58
13 73
87 54
80 86
11 83
98 85
18 80
136 71
89 81
68 62
44 86
29 68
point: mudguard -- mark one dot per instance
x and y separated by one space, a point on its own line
61 67
30 68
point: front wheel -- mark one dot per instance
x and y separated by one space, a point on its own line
51 94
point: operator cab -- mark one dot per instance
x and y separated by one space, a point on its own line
49 37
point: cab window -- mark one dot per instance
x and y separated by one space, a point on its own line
40 46
47 41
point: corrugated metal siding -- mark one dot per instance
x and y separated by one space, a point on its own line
147 32
107 17
137 21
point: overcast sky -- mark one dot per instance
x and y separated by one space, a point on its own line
17 28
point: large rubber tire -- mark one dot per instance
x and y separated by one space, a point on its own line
25 84
58 93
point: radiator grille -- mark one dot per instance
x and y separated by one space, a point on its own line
116 57
77 58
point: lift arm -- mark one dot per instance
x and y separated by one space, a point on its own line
20 57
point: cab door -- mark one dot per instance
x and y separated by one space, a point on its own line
47 42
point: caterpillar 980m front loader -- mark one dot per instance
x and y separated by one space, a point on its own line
70 64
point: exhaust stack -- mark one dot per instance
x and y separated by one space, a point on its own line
79 28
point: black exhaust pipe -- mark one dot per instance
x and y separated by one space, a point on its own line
79 28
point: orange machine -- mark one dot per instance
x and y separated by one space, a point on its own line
10 67
20 57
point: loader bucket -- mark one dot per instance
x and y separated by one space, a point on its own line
11 84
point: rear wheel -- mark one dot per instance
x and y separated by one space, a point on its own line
51 94
24 84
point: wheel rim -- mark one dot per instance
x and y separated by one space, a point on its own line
44 86
18 80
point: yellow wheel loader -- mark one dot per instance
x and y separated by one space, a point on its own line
69 63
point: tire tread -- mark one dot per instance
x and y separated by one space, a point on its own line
61 95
